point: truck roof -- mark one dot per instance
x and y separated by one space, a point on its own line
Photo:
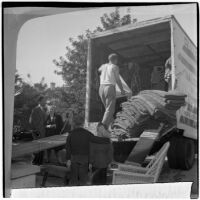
156 22
130 27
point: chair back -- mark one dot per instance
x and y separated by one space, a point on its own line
155 166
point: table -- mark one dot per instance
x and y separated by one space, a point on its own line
21 149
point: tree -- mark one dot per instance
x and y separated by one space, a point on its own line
60 98
72 67
26 100
114 19
18 83
41 86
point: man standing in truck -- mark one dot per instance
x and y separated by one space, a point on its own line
109 77
168 71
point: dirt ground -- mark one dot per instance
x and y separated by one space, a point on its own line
174 175
167 176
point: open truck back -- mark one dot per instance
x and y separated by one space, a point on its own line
151 43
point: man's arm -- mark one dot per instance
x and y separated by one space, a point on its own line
117 78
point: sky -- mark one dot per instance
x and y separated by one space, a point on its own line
43 39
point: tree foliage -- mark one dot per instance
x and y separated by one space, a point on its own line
26 100
72 66
41 86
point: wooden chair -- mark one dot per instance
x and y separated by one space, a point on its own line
55 170
127 173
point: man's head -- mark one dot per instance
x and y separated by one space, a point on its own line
78 122
41 100
113 58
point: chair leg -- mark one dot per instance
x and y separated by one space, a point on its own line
44 179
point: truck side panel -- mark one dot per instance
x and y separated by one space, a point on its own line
185 61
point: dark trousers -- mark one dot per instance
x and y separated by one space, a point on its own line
99 176
79 174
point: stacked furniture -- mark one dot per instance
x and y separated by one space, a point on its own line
147 109
135 173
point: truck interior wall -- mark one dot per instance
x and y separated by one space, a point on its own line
145 77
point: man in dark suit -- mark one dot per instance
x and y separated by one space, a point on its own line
37 121
38 118
78 154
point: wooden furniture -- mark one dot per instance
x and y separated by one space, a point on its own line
58 170
143 146
127 173
55 170
20 149
23 175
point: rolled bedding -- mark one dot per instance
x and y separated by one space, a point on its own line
139 110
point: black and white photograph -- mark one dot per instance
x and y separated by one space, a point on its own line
100 95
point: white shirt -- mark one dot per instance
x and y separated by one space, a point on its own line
107 76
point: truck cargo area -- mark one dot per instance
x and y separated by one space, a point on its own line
147 45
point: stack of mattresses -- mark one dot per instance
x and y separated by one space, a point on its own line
147 108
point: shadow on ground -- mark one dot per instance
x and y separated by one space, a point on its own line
167 176
175 175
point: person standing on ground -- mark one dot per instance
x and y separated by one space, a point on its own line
68 123
67 128
108 79
54 125
37 121
77 153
